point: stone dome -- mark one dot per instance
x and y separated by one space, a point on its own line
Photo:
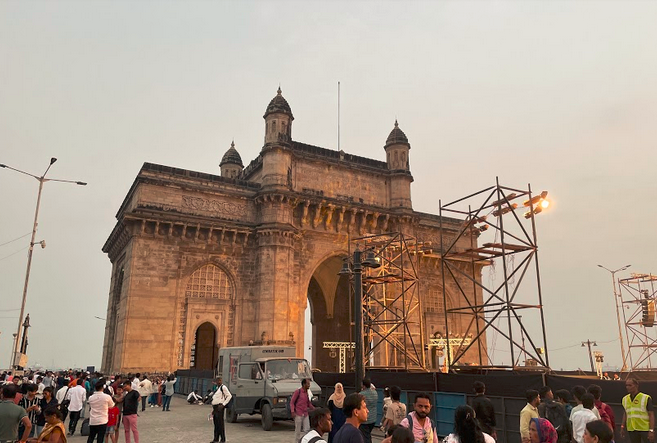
396 136
232 157
278 104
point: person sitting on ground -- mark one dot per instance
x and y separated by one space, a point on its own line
193 397
597 431
320 424
54 430
581 417
466 428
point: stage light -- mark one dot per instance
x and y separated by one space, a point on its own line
536 199
545 203
503 211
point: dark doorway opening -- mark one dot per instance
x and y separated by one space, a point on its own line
205 349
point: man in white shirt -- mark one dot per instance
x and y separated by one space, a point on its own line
135 382
581 417
99 404
220 399
320 423
145 389
77 395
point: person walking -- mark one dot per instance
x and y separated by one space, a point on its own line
355 409
555 412
77 396
30 402
639 418
581 417
578 392
118 397
320 422
529 412
130 407
542 431
418 421
598 431
47 402
169 390
466 428
300 406
484 409
220 400
335 404
11 416
99 404
54 430
145 388
371 398
606 413
396 409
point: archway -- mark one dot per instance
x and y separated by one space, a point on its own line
329 304
205 350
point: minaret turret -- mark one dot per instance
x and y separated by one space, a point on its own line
231 163
278 120
397 156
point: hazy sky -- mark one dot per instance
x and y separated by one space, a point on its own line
559 94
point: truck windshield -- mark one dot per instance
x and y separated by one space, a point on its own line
288 369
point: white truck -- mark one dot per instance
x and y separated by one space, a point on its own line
262 380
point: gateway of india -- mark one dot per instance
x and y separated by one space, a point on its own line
202 261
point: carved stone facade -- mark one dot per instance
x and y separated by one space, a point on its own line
240 255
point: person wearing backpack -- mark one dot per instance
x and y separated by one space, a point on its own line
220 400
555 413
418 421
320 422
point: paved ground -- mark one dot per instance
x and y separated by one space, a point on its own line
189 424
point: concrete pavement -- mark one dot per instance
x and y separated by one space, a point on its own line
189 424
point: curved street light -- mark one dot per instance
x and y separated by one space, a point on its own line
42 179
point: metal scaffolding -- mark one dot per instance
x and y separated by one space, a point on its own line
494 212
637 298
391 305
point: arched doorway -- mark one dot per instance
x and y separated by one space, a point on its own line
205 350
329 304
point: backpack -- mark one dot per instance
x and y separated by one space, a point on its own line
409 417
556 415
232 398
315 439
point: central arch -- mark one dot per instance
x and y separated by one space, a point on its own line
329 302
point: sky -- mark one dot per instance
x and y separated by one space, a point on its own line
558 94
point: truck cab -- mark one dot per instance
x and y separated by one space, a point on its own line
262 380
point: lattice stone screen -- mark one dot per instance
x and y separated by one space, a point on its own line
209 282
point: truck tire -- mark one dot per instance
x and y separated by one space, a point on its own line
231 415
267 417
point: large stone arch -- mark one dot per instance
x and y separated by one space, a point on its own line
329 301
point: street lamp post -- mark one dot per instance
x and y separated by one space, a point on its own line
356 270
41 181
620 331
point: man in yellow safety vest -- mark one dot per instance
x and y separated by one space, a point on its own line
638 418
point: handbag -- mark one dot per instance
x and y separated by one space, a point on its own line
63 406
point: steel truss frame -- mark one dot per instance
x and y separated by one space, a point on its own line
641 340
392 314
494 207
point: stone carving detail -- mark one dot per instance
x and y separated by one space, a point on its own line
204 204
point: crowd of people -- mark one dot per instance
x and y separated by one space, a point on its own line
35 405
576 416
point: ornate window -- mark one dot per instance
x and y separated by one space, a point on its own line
209 282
